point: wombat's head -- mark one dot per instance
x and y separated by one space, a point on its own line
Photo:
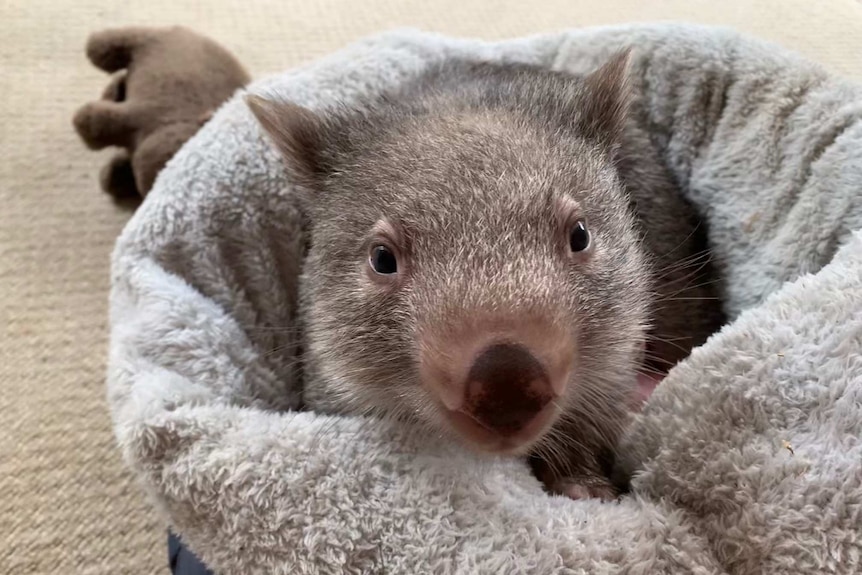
472 261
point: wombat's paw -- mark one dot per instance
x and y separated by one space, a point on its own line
585 487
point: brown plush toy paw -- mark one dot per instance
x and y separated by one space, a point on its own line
167 83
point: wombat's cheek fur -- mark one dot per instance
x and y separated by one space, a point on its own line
359 352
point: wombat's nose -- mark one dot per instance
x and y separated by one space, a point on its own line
507 388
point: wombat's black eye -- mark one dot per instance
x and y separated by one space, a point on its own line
383 260
579 239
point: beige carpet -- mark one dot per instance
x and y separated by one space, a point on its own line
66 503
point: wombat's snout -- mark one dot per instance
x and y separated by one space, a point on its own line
498 388
507 388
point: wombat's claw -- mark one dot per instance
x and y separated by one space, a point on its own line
585 488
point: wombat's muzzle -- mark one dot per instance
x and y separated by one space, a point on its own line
496 380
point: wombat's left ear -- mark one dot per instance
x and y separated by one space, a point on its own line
295 131
606 100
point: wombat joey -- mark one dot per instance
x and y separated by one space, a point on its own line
494 253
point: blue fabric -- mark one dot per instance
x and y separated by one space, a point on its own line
183 561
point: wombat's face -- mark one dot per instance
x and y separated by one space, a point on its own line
470 272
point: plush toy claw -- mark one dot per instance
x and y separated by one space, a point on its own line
167 83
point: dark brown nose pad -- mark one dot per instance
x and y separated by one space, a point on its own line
506 388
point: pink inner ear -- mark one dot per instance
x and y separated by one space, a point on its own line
646 384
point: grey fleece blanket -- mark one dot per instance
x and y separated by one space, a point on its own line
748 457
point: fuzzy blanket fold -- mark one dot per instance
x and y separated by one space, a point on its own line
748 456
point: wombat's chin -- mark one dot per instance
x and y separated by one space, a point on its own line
482 439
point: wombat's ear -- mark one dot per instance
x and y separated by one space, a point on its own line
606 100
295 131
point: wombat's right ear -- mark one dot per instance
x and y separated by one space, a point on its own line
295 131
607 98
